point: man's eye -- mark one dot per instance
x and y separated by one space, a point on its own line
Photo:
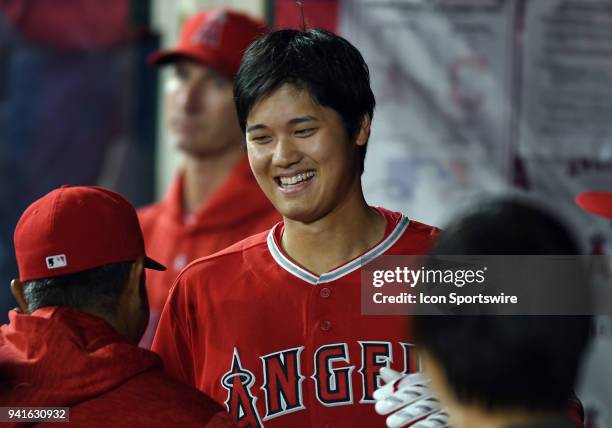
260 139
181 73
305 132
219 82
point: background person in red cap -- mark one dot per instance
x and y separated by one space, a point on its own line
83 309
214 201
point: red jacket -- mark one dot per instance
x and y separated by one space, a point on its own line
235 211
60 357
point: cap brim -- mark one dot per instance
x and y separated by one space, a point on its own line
168 56
164 57
152 264
173 55
598 203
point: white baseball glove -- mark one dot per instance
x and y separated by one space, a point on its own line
408 401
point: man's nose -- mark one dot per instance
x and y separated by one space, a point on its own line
190 98
286 153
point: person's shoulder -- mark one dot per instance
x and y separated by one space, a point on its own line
247 245
417 227
409 236
177 394
212 278
151 398
167 207
230 258
149 213
410 226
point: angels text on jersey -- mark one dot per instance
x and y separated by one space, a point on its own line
333 377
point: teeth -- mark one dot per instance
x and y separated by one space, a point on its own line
298 178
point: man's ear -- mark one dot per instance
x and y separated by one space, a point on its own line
17 290
363 134
136 272
133 309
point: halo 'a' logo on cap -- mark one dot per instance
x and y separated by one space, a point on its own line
210 33
58 261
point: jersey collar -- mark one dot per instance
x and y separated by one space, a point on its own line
295 269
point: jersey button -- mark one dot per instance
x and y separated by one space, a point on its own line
326 325
329 425
325 293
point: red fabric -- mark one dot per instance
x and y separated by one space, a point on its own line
576 412
217 38
63 357
242 328
72 229
70 24
598 203
236 210
317 14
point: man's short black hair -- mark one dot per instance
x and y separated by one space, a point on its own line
507 361
97 288
327 66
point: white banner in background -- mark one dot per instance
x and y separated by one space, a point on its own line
442 75
566 109
566 141
567 79
450 78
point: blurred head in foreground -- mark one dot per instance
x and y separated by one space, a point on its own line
504 370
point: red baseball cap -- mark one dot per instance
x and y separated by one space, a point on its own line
217 38
72 229
598 203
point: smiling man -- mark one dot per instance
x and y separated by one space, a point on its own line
272 325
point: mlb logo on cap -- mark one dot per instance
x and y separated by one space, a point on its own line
211 30
54 262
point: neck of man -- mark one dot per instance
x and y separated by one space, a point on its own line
476 416
346 232
111 319
205 174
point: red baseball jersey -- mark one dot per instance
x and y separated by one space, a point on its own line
279 345
236 210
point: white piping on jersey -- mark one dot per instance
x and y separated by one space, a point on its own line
296 270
